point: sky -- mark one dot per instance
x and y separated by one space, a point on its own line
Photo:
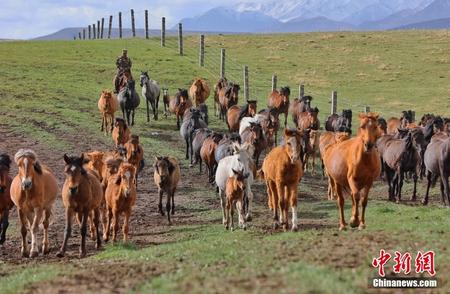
24 19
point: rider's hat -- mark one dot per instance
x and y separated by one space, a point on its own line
124 50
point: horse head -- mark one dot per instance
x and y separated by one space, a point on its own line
293 143
368 130
251 107
5 163
132 147
126 178
29 166
74 171
144 78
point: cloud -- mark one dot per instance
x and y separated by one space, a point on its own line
22 19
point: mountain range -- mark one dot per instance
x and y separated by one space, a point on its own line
323 15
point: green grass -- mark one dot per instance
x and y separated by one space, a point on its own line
49 92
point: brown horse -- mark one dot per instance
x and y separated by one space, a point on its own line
228 96
221 83
166 100
308 119
236 113
279 100
352 166
107 105
282 171
311 152
254 135
121 132
179 104
298 106
207 152
82 194
199 91
33 191
135 155
120 199
5 196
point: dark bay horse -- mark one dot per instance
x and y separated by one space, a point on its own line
236 113
340 122
228 96
128 100
279 100
298 106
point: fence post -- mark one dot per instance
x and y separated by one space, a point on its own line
79 35
274 82
413 116
98 29
133 28
75 37
333 102
246 88
163 32
84 34
222 62
103 26
301 91
89 32
202 51
180 38
367 109
120 25
94 31
110 26
146 24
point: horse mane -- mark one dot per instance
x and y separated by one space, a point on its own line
285 91
306 98
134 139
244 111
181 92
122 121
5 160
25 153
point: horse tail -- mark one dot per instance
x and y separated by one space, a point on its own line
141 166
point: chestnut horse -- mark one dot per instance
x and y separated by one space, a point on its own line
352 166
279 100
107 105
299 105
5 197
308 119
121 132
282 171
236 113
179 104
135 155
82 194
199 91
228 96
33 191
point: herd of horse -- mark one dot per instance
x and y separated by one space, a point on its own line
101 186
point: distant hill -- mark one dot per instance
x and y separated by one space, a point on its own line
443 23
317 24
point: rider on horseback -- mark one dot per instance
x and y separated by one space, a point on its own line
123 64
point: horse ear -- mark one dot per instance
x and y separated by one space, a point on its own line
37 168
67 159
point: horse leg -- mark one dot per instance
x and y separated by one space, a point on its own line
161 192
191 149
293 203
429 180
148 114
281 205
126 226
98 243
173 200
354 220
178 121
115 225
23 231
187 148
83 233
34 232
273 202
103 122
340 202
222 204
241 217
415 178
444 179
364 198
227 213
46 223
133 113
248 216
123 112
400 185
4 226
67 232
285 119
168 207
108 226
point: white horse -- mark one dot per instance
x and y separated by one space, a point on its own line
241 161
151 91
246 122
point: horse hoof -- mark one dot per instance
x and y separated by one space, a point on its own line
60 254
45 251
294 228
232 229
397 201
342 228
248 218
361 227
424 203
82 255
25 254
275 225
414 199
34 254
354 223
285 227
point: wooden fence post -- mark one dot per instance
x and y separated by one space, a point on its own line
75 37
222 62
79 35
367 109
84 34
333 102
103 26
180 38
94 31
274 82
246 88
163 32
110 26
120 25
89 32
301 91
146 24
98 29
133 28
202 51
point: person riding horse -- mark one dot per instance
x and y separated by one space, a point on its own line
123 64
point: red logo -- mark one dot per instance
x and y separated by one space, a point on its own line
402 263
381 261
424 262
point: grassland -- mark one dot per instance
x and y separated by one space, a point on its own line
48 94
